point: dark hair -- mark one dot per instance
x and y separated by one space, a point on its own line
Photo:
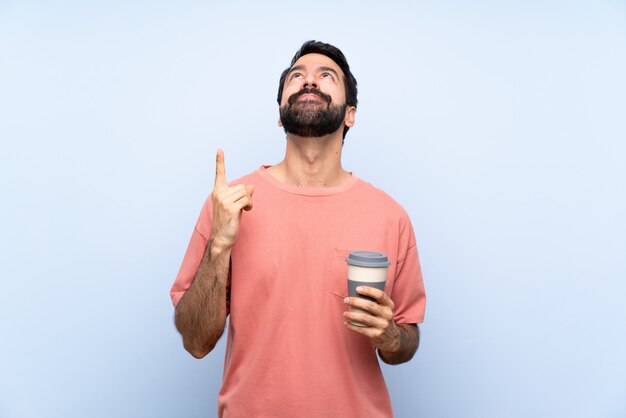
335 54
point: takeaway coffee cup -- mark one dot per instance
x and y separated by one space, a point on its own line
366 268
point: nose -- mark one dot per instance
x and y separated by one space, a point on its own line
309 82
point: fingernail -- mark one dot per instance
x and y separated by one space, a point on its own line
346 300
359 289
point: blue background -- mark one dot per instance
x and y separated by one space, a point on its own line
499 126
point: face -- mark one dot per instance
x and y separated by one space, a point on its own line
313 103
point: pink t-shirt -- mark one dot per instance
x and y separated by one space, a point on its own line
288 352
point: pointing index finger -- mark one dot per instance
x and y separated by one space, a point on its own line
220 169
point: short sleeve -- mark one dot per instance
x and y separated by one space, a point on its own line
195 252
408 294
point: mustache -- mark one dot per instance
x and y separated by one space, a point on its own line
314 91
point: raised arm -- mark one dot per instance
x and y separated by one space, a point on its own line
201 313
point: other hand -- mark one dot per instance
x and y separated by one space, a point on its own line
377 318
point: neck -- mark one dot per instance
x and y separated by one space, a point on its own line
312 162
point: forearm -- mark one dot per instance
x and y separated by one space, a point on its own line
407 341
201 314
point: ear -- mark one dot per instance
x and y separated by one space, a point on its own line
280 122
350 115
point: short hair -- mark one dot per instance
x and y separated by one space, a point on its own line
335 54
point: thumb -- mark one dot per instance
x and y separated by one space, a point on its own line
250 191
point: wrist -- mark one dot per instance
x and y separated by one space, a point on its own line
217 247
393 344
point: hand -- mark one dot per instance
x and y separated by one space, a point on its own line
228 206
377 318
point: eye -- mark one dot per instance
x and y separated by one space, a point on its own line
295 75
327 75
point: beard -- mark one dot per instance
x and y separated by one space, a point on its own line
311 118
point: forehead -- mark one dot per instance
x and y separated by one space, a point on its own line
313 61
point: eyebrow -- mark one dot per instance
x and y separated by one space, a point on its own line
323 68
330 70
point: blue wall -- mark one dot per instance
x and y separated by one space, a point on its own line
498 125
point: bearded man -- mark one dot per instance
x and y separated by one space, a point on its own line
278 271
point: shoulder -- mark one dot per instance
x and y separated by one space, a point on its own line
381 199
387 209
248 178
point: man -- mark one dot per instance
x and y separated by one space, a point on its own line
279 269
